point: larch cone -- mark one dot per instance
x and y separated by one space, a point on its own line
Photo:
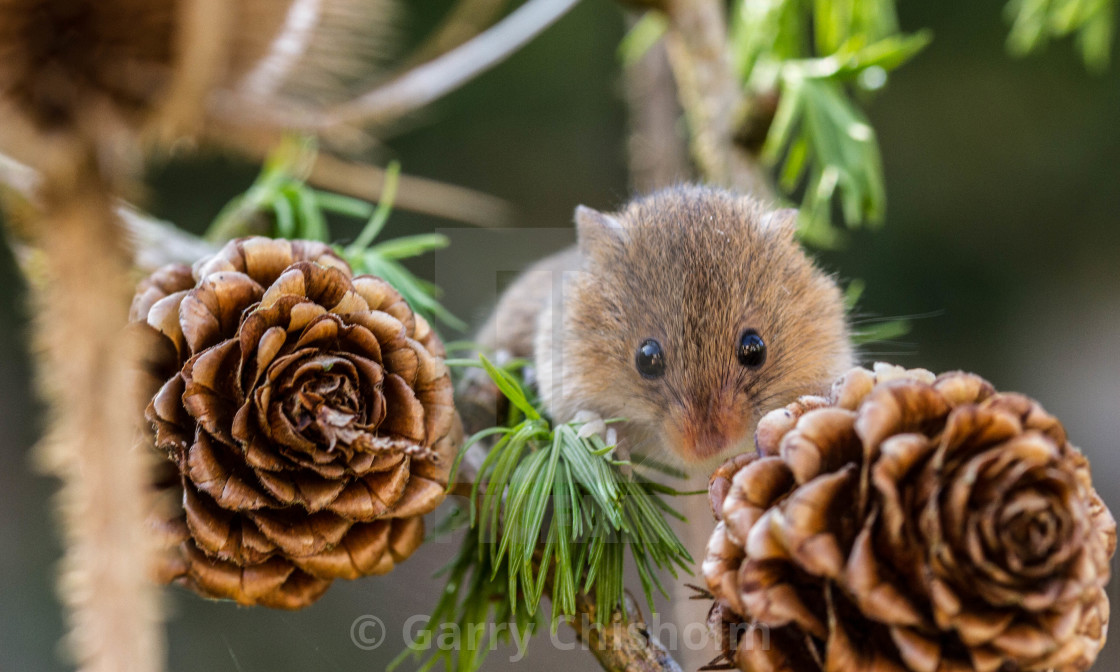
306 416
909 522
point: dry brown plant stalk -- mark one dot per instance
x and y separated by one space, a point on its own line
92 442
84 86
712 97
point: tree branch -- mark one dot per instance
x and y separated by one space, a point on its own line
624 644
657 152
711 94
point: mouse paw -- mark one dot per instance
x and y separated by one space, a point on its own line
592 424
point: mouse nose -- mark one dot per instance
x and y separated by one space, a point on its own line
710 431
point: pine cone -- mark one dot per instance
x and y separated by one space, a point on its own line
307 415
909 522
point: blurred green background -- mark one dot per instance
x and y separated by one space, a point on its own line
1004 189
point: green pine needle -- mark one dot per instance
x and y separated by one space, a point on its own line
281 204
551 515
871 331
275 205
381 215
881 332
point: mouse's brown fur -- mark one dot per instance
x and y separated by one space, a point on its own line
692 267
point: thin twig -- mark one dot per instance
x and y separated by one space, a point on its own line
465 20
440 76
624 644
157 243
416 194
657 151
711 94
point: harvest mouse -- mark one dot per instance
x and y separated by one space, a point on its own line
690 313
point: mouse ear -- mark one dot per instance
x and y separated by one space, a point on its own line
598 231
782 223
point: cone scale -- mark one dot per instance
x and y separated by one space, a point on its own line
306 417
909 522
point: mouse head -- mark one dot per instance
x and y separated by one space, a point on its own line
697 312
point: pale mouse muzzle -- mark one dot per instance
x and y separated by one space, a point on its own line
707 432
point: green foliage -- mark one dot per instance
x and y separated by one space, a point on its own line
818 55
281 204
383 259
551 513
475 597
1092 23
645 33
867 331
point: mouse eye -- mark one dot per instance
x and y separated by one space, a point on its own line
649 359
751 350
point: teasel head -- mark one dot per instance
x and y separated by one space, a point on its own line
107 77
88 88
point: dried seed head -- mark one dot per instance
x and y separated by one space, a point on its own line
82 78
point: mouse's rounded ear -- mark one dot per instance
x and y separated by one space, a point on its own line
781 223
598 232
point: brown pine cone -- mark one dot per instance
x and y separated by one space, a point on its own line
307 415
909 522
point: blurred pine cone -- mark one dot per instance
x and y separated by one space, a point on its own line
307 415
909 522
